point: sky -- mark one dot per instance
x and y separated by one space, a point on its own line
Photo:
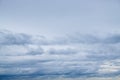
59 40
60 17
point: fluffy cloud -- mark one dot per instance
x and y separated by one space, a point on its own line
70 56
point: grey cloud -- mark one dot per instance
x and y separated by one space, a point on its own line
112 39
83 39
9 38
36 51
83 55
67 51
88 39
104 52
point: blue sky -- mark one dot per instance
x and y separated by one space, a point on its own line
60 39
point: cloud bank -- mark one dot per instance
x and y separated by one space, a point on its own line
73 56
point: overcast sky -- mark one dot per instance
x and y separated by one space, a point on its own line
60 17
85 51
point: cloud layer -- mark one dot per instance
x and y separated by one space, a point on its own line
69 56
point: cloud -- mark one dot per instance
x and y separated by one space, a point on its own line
35 50
9 38
113 39
70 56
62 51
